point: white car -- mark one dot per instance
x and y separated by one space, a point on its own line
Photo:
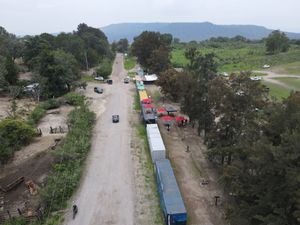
266 66
225 74
99 78
256 78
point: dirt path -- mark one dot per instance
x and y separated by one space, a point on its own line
271 75
106 193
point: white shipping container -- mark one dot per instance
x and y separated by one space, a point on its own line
156 144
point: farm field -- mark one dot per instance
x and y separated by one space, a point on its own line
243 57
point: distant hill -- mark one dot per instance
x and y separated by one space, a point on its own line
189 31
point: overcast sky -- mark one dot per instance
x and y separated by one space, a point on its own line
37 16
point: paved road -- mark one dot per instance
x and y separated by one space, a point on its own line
106 194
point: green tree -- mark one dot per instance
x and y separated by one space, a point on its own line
149 45
236 103
277 42
159 60
96 44
61 70
11 75
13 134
121 45
171 83
201 69
72 44
34 46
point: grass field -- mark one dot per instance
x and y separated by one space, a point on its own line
290 68
242 58
129 62
277 91
291 81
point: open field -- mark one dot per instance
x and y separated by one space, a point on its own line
245 57
293 82
290 68
277 91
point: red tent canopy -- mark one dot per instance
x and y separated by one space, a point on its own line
148 106
161 110
179 118
167 118
146 101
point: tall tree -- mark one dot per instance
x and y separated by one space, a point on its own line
61 70
236 103
11 75
202 70
149 45
277 42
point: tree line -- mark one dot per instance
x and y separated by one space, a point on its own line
56 61
252 139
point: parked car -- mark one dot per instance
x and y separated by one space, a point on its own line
225 74
126 80
31 87
115 118
98 90
266 66
109 81
99 78
256 78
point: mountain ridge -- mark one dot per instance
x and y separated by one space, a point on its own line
192 31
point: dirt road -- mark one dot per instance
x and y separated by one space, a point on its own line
106 193
271 75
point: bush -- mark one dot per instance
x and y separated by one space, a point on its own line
13 134
105 68
16 221
75 99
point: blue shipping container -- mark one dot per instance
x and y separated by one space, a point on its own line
170 196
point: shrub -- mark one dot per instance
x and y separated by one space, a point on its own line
13 134
75 99
105 68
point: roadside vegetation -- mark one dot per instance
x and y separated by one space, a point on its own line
71 156
69 162
129 62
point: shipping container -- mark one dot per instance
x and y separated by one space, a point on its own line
143 95
155 141
169 193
